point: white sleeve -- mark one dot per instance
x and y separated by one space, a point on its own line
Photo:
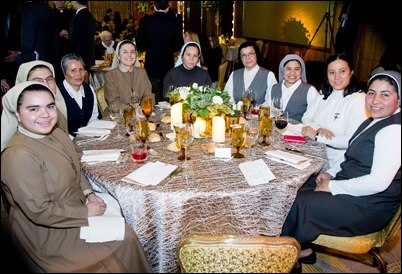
308 116
229 87
271 80
386 163
95 111
312 94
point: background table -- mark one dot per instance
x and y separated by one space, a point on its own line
218 202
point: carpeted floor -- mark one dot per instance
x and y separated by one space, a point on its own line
331 262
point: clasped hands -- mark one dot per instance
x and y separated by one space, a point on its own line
322 181
96 206
308 131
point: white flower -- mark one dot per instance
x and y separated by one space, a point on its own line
239 105
195 86
184 91
217 100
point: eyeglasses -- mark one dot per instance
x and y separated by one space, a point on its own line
49 79
251 54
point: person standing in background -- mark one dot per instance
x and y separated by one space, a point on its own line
160 37
108 15
213 56
63 16
10 46
38 33
82 33
347 32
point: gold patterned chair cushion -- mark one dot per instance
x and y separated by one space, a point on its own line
361 244
237 254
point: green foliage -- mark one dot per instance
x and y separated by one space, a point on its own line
144 6
202 100
68 5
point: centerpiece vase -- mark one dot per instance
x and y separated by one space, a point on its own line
208 126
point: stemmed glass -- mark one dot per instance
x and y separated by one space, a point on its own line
147 106
141 128
251 133
276 106
281 121
185 138
116 114
238 140
264 124
246 99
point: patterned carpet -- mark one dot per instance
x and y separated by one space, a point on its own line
331 262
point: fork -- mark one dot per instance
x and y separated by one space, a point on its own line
86 141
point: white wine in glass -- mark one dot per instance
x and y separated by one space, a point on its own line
116 114
252 133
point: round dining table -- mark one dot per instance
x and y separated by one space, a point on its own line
215 199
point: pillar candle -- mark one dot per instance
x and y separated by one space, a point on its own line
176 114
199 127
218 129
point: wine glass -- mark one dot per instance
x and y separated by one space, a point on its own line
147 106
185 137
238 139
276 106
251 133
142 128
116 114
281 122
264 124
129 119
246 103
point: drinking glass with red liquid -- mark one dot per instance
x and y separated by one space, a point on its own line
139 152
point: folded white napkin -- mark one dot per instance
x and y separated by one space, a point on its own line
108 227
150 174
89 131
297 161
101 155
256 172
101 124
293 129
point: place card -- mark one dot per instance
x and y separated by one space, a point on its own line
256 172
223 152
150 174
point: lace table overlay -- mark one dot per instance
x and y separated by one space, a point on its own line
217 200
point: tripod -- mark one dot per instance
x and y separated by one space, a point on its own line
328 24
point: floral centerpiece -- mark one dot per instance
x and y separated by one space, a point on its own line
202 101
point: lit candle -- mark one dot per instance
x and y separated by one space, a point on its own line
199 127
176 114
218 129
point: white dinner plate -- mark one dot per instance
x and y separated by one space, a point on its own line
171 136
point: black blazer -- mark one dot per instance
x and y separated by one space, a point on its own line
82 37
38 32
158 35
